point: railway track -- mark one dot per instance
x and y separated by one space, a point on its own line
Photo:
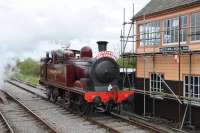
113 123
22 119
56 116
116 125
4 125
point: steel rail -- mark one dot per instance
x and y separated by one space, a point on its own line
110 129
140 124
27 90
48 125
131 121
27 83
86 118
6 123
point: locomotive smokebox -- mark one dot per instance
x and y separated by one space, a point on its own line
102 45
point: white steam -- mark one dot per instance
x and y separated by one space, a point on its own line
7 64
9 57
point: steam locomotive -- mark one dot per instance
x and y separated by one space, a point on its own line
83 81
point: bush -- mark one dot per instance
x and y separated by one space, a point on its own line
29 70
29 67
128 62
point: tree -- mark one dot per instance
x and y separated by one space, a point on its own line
126 62
29 67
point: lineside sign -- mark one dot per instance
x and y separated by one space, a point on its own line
174 49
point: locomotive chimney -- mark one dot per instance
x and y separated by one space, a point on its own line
102 45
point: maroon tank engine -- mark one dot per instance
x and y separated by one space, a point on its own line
77 76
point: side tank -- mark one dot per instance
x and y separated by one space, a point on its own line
83 64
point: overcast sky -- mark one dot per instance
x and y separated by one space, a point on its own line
29 27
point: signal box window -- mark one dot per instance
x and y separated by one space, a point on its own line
156 82
150 33
192 87
195 26
171 30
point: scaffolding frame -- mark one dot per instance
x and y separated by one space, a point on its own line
124 41
153 54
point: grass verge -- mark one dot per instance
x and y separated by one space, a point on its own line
28 78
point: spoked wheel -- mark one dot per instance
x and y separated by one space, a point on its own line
54 95
66 104
130 103
110 107
118 108
49 93
84 108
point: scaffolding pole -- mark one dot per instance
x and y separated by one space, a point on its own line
144 79
179 65
133 26
153 84
121 43
190 108
189 101
123 39
171 90
154 71
124 42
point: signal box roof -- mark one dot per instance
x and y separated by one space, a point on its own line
155 6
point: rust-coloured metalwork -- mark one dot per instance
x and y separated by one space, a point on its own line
83 78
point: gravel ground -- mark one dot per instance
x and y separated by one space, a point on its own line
56 116
119 125
38 90
3 98
3 128
20 120
116 124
